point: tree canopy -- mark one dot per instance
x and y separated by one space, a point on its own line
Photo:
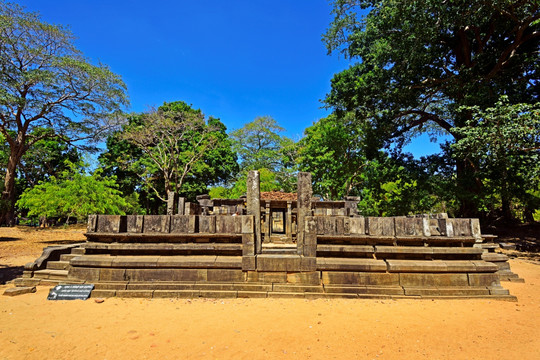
46 82
430 66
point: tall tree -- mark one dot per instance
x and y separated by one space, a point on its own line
420 61
333 151
179 150
260 145
45 82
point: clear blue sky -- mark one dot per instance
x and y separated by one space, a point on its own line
234 60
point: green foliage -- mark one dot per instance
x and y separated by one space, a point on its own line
46 83
268 182
504 143
332 151
417 64
74 194
259 145
171 148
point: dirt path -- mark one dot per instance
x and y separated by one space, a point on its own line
33 328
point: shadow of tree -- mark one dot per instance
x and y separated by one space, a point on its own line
61 242
7 238
8 273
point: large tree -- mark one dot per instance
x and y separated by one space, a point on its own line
174 148
260 145
419 62
46 82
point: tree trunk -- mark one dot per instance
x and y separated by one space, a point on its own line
7 211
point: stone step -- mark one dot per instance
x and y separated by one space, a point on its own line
169 248
438 266
278 251
67 257
78 251
58 265
51 274
351 264
152 262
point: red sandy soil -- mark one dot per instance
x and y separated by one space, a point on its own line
33 328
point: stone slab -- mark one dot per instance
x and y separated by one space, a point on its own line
351 264
433 279
15 291
225 275
306 278
160 224
359 278
416 266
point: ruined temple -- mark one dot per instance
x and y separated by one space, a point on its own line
275 244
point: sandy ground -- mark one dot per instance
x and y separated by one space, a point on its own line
33 328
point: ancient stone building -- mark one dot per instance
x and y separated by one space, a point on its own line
274 245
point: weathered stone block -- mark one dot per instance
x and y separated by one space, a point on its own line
308 264
82 273
359 278
92 261
225 224
92 223
135 223
311 225
340 226
252 294
379 226
460 266
134 293
299 288
248 263
409 226
483 266
248 249
421 280
247 224
273 277
462 227
198 261
228 262
111 223
112 275
416 266
475 228
215 294
357 225
310 250
19 290
180 224
305 278
350 264
484 280
207 224
105 293
135 261
157 224
226 275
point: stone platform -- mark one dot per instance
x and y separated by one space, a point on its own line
226 249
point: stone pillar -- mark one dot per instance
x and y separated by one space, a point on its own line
170 202
268 219
254 206
181 205
305 193
288 220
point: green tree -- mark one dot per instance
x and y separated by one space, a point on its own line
332 150
45 82
74 194
172 148
419 62
504 143
259 145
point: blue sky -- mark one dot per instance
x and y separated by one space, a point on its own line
232 59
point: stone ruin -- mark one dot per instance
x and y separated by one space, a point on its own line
262 247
